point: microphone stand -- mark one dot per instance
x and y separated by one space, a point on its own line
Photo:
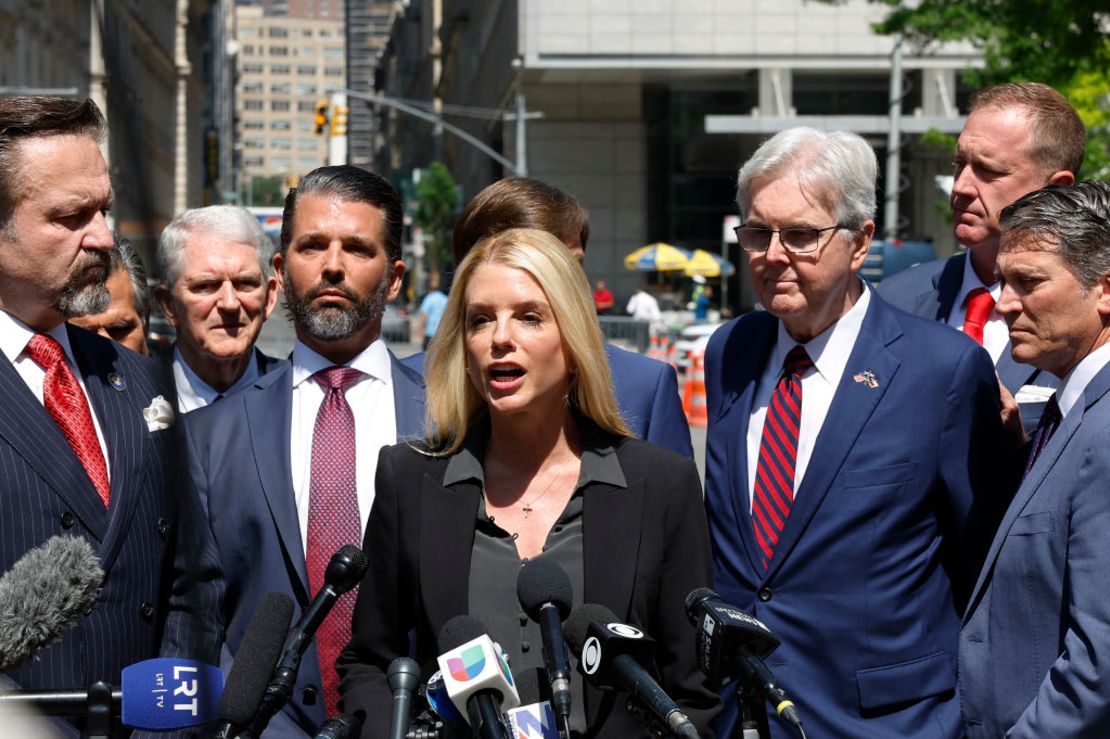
753 714
98 717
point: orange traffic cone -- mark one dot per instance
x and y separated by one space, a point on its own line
693 393
656 350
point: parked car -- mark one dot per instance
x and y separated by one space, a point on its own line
692 340
888 258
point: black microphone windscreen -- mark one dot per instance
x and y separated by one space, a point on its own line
403 673
346 568
458 631
45 592
696 597
343 726
574 630
255 659
542 581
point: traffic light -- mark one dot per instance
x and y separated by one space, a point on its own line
321 118
339 120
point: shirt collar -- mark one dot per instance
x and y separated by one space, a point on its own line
971 282
599 459
194 392
15 334
1076 381
372 361
829 350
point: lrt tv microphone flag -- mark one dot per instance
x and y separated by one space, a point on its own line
162 694
168 693
533 721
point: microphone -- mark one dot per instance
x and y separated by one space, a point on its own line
343 726
731 645
545 593
45 593
254 663
344 571
535 719
161 694
476 676
612 655
403 678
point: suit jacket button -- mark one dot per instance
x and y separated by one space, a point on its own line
308 695
163 526
764 594
147 611
68 520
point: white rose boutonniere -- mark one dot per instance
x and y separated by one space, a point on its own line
158 415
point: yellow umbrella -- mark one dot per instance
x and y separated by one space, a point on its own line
708 264
658 256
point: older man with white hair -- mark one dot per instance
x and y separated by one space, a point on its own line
218 290
852 457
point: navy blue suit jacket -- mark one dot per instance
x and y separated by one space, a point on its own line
160 592
868 579
929 290
239 460
1036 637
647 394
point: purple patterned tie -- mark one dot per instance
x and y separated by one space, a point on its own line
1050 421
778 452
333 518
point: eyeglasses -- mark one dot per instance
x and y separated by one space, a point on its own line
796 239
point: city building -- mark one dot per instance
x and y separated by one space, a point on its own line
648 108
140 63
369 24
285 67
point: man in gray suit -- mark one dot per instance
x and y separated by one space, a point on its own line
1018 137
218 290
1035 643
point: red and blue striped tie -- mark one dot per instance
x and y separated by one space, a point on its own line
778 451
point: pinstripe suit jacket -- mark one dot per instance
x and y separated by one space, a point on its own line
160 593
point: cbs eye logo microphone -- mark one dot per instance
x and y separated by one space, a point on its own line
592 650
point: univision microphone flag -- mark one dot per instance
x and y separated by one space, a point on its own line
474 666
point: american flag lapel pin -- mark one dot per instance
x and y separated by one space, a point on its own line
867 377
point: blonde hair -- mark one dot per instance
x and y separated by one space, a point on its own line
453 403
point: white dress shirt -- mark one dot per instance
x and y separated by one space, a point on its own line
193 392
996 334
829 352
371 401
14 337
1071 389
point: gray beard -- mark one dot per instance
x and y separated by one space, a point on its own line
334 324
78 299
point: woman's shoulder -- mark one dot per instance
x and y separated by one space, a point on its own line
412 454
639 455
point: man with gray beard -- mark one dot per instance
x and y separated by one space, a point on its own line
87 444
286 467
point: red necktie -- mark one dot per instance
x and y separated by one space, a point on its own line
67 405
979 306
778 451
333 518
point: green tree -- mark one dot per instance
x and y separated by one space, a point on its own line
1062 43
267 192
437 196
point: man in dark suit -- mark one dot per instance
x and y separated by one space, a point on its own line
1018 137
87 441
647 390
843 515
218 290
1036 636
286 467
